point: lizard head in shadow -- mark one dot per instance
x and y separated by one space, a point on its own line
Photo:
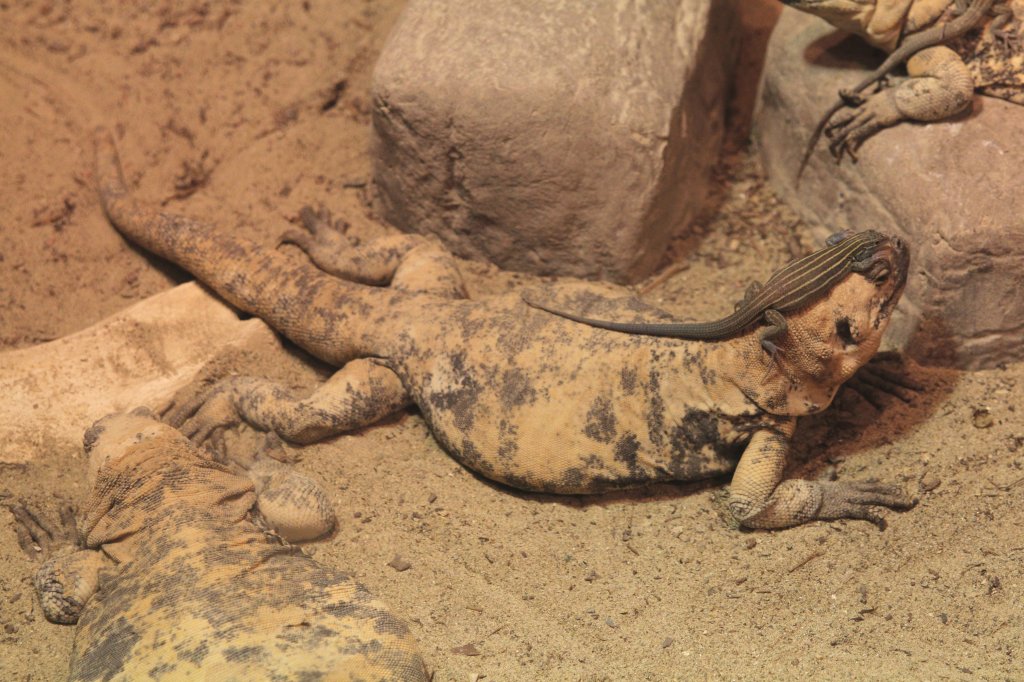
826 342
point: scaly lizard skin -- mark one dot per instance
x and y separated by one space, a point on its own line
176 583
988 58
521 396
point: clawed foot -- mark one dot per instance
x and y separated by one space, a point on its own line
866 115
36 535
1007 28
856 500
883 376
203 410
323 237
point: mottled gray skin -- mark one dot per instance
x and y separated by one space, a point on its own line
175 582
522 396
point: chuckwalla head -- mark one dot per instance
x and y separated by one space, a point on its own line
829 340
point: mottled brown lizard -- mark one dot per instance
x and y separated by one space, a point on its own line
521 396
176 583
951 48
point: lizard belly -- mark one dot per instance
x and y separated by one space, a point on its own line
579 427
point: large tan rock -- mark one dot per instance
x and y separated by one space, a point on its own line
554 137
952 188
54 391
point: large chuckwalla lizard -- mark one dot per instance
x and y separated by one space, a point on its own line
521 396
951 48
175 582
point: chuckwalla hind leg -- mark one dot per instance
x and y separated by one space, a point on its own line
407 262
360 393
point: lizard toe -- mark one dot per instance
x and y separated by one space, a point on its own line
875 382
296 238
183 405
857 500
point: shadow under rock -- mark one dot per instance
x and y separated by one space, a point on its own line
841 50
852 425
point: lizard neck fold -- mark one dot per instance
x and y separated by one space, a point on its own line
796 382
136 494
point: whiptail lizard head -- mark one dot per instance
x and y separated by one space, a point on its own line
829 340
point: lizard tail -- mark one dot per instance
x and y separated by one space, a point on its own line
298 300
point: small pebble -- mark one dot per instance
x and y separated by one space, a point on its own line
399 564
667 642
930 482
466 650
982 418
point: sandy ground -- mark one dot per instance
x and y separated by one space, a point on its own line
243 113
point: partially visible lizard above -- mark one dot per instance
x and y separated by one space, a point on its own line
951 48
176 583
523 397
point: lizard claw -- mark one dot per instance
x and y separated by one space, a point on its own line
856 500
37 535
874 380
201 412
217 412
319 221
849 128
324 238
851 98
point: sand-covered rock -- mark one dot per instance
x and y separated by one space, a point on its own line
53 391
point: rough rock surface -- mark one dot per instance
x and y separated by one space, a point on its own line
573 142
53 391
952 188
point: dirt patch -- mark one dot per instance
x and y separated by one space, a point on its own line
242 113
